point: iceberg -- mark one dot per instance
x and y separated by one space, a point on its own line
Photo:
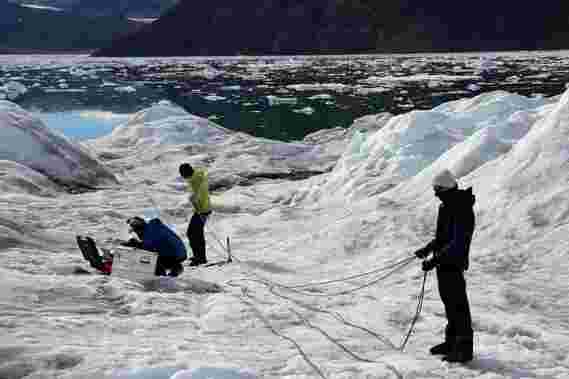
164 123
24 139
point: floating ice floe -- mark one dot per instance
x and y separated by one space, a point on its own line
473 87
231 88
274 100
368 91
305 110
207 73
109 84
214 98
63 90
127 89
417 78
337 87
323 96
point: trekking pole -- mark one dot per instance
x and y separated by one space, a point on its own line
229 257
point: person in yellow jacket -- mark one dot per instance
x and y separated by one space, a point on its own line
197 184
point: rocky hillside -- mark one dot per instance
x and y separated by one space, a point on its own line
224 27
25 29
131 8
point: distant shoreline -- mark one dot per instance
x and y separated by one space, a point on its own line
23 51
32 51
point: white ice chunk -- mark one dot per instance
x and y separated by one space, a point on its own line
214 98
127 89
337 87
473 87
417 78
274 100
367 91
306 110
231 88
323 96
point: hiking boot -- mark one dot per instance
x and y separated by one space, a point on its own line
461 351
176 270
440 349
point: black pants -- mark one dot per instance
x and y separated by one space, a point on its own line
171 264
196 236
452 288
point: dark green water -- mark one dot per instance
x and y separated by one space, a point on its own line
319 92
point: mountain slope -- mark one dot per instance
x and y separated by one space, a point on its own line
24 28
220 27
132 8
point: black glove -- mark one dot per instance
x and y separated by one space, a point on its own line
429 264
422 253
124 243
131 243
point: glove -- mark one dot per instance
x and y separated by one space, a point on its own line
130 243
429 264
422 253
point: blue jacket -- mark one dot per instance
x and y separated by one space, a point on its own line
162 240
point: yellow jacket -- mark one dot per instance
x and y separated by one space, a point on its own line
198 185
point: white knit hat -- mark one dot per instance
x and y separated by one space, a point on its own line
445 179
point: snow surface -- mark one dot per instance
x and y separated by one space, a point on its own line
371 205
42 7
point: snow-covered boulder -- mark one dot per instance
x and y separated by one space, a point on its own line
26 140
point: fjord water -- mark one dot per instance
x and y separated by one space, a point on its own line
282 98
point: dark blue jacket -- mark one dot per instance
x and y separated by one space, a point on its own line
455 226
162 240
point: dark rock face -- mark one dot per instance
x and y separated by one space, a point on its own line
226 27
132 8
25 29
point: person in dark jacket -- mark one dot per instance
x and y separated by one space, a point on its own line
450 250
157 237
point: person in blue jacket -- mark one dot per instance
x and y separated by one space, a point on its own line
157 237
450 249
